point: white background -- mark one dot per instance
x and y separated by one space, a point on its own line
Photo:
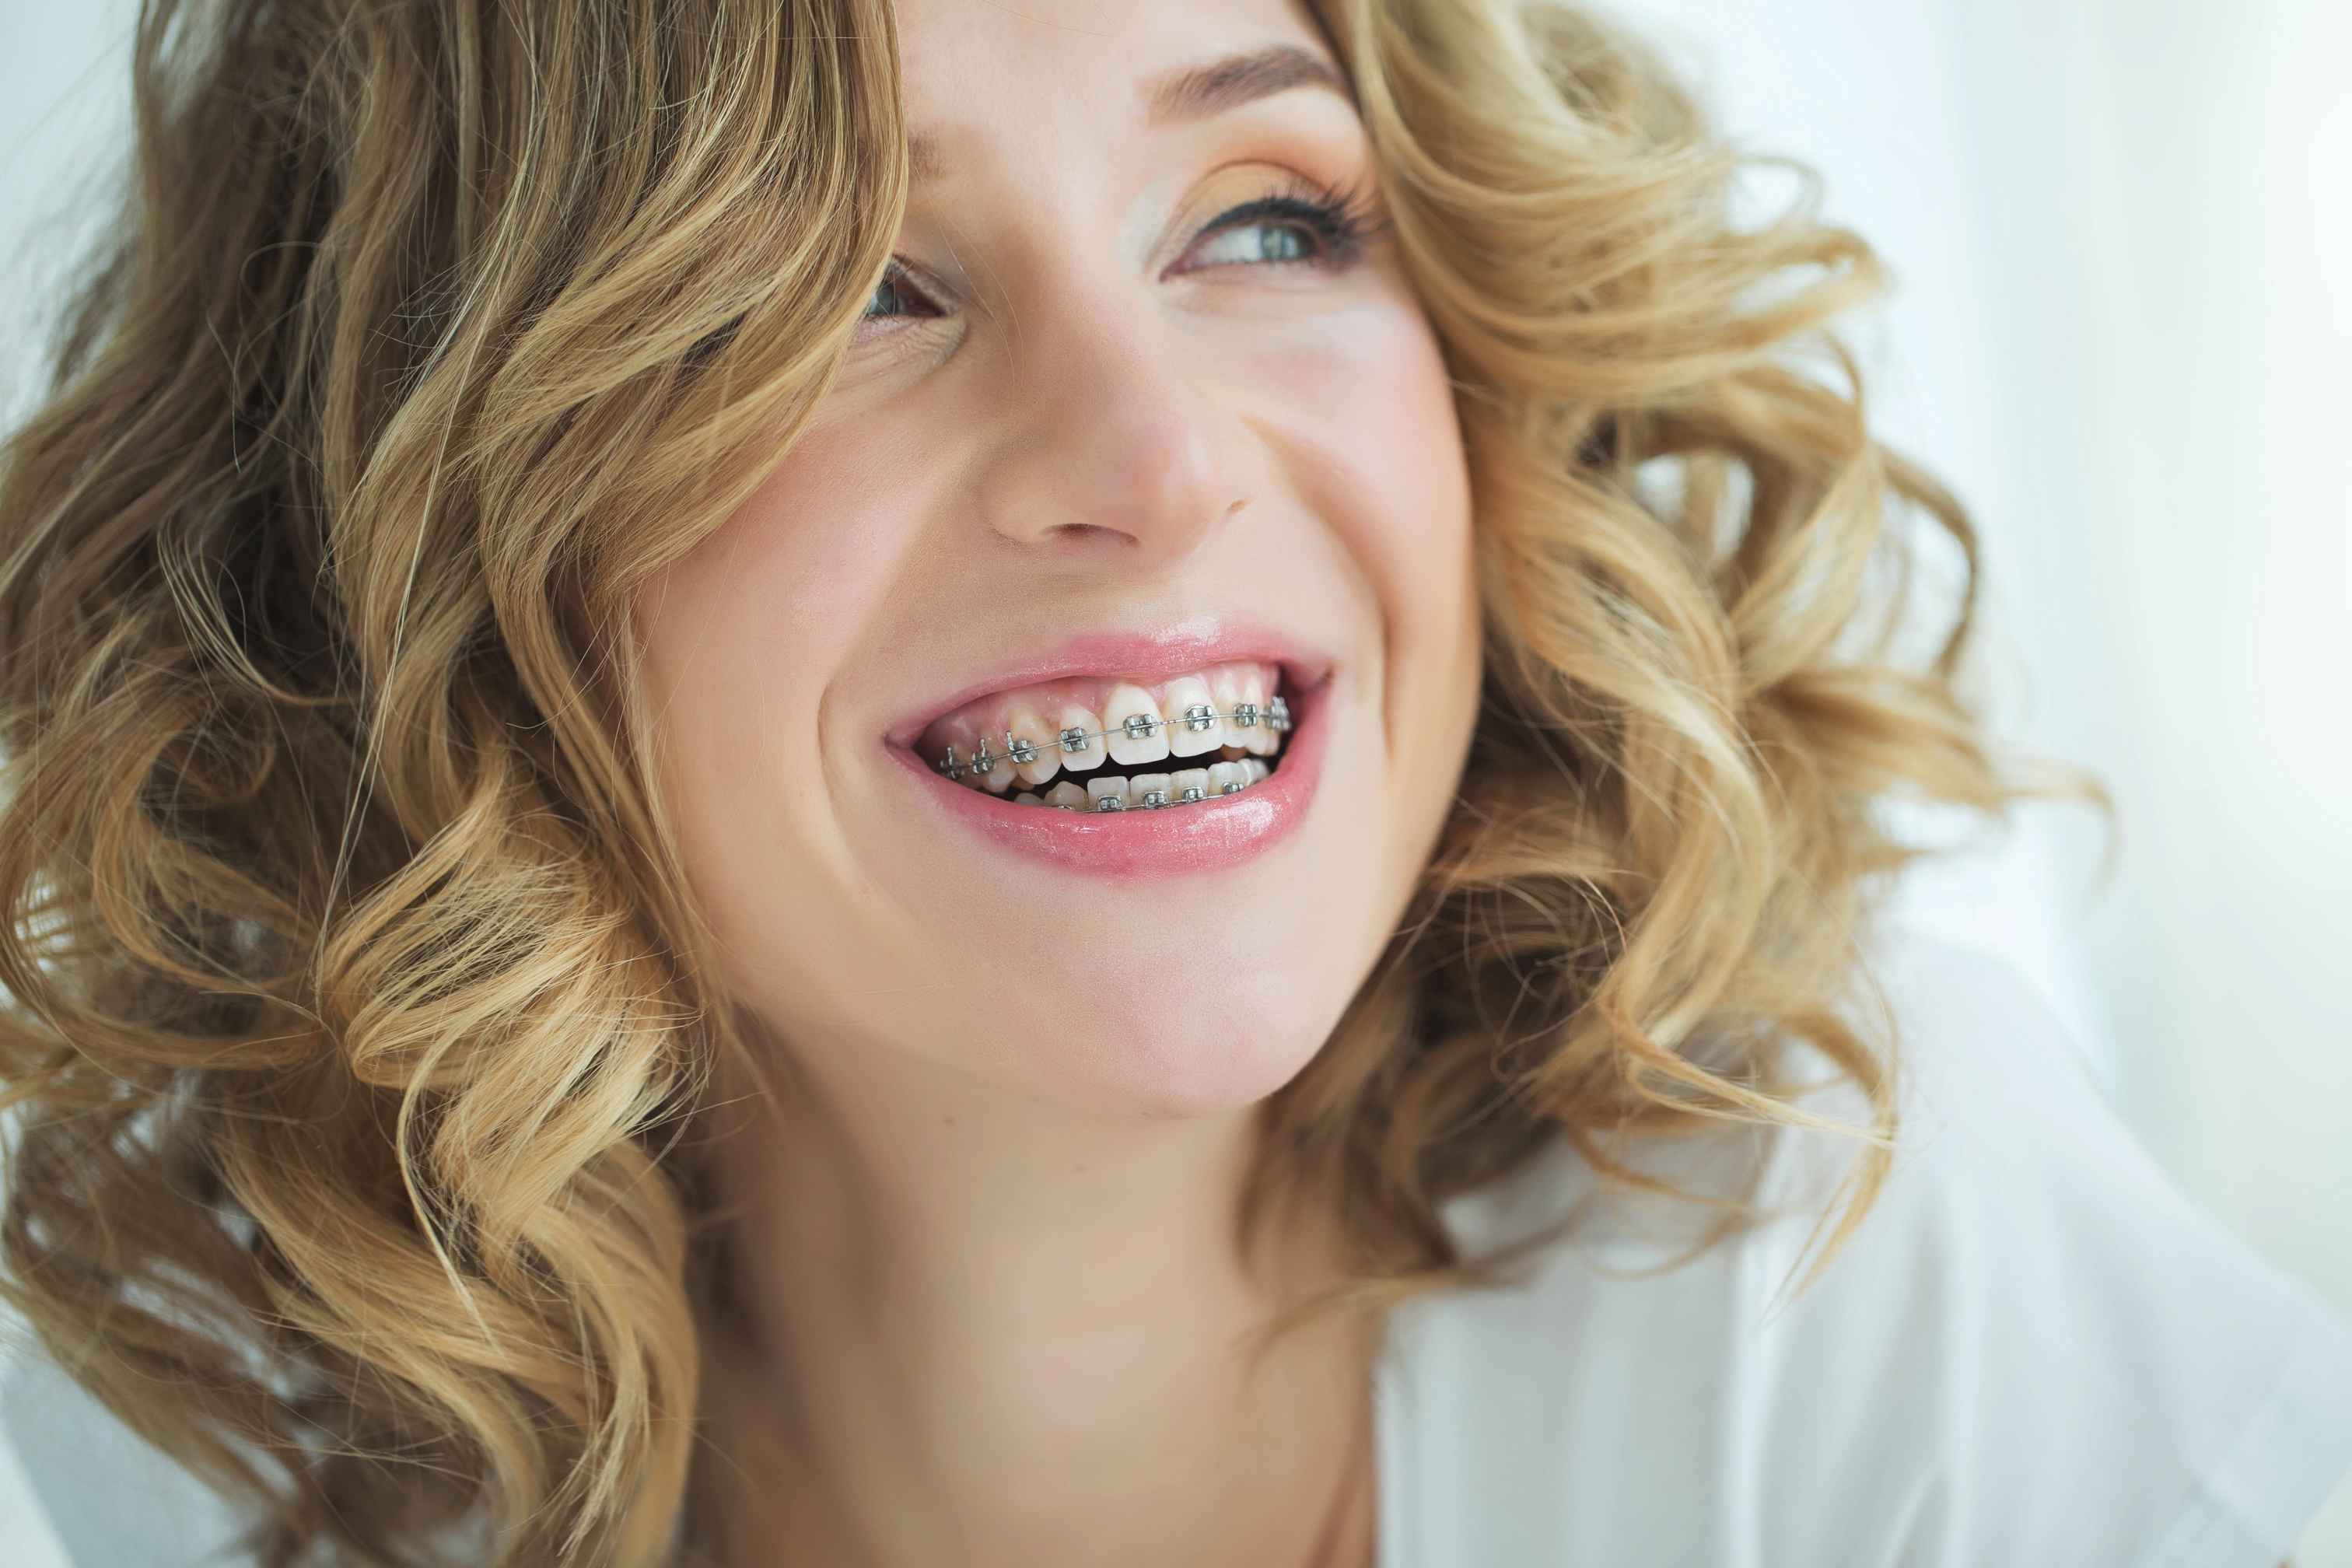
2122 234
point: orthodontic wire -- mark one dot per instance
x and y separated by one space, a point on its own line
1197 717
1154 799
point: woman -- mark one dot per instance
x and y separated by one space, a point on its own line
1035 784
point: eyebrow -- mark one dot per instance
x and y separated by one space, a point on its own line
1195 92
1190 92
923 160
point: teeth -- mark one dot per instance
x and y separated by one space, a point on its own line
1031 746
1137 733
1042 743
1258 736
1225 692
959 767
1150 791
1080 755
1188 709
989 769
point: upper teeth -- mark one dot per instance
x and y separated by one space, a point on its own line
1137 728
1042 737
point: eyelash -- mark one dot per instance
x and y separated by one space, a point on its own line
1340 219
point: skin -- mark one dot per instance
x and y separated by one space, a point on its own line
988 1302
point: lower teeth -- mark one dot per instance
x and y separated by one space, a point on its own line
1154 791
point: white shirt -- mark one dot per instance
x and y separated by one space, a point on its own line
2032 1353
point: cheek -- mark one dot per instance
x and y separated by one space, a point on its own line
781 593
1368 415
1381 458
743 638
1377 452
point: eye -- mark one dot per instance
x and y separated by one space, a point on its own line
1254 242
896 298
1322 228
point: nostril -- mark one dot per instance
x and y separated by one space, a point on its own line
1087 532
1124 443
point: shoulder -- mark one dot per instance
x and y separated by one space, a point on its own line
79 1489
2032 1351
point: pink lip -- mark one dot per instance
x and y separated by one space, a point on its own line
1133 845
1177 841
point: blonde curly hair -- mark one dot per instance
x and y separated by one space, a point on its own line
358 1026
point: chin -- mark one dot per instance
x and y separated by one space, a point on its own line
1230 1059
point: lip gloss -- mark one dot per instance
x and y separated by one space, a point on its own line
1137 844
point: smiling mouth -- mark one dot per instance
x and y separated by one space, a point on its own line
1105 745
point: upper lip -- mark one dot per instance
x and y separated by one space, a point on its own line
1141 657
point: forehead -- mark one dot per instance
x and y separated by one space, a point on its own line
976 68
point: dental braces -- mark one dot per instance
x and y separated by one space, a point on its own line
1154 799
1198 718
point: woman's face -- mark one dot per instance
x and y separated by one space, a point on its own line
1146 424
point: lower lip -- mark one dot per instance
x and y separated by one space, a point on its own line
1177 840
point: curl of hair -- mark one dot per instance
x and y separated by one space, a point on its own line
1694 579
349 1009
354 1015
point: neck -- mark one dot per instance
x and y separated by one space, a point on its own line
967 1326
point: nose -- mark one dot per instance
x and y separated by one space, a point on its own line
1113 451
